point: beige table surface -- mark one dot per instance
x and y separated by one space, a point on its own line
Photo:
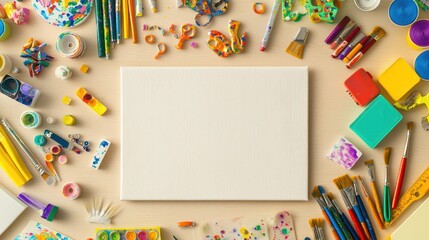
331 111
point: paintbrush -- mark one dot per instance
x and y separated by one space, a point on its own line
371 204
349 198
371 172
363 210
378 34
319 225
335 213
343 216
296 47
360 45
313 225
386 200
326 214
402 167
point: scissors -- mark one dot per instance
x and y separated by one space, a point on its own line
162 48
207 8
188 32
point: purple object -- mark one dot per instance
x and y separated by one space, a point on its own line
46 211
419 33
345 153
351 45
331 37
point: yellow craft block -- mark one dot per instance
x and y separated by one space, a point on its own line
66 100
84 68
398 79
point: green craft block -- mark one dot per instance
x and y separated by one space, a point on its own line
376 121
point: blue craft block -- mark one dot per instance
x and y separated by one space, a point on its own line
376 121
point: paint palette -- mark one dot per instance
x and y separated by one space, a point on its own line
345 153
237 229
91 101
144 233
19 91
282 228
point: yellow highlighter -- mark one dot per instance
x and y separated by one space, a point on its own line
11 161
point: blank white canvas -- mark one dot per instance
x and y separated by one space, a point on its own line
238 133
10 208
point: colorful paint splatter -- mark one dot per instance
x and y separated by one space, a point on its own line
282 228
345 153
36 231
63 13
237 229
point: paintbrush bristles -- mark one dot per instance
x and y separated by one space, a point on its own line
387 152
312 222
337 183
410 126
331 196
369 162
316 192
345 181
296 49
354 178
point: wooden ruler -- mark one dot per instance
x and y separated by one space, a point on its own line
418 190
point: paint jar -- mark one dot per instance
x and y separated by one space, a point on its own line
5 65
115 235
418 35
40 140
31 119
70 45
421 65
5 30
102 236
367 5
403 12
63 73
69 120
71 190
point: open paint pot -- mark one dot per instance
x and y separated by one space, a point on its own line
31 119
71 191
5 30
367 5
418 35
421 65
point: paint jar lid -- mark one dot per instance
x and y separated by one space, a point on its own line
40 140
421 65
2 27
367 5
403 12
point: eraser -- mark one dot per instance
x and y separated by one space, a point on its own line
345 153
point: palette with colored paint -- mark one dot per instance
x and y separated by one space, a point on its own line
144 233
237 229
63 13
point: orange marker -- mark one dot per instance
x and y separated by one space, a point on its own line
186 224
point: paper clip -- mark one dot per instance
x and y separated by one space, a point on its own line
162 48
150 38
188 32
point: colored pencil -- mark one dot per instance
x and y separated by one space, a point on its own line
106 25
402 167
118 21
132 14
125 20
270 25
112 21
100 28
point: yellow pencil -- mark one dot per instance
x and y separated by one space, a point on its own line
125 19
